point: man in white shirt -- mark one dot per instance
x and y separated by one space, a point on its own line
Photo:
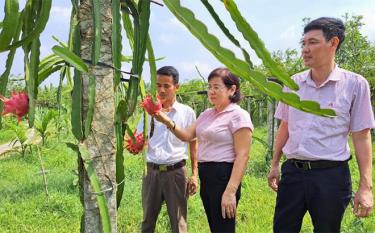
166 178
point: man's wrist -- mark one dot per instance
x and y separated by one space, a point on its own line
275 164
275 159
367 187
194 176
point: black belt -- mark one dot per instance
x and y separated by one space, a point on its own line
165 167
315 164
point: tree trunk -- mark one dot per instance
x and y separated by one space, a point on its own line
101 140
271 128
248 102
260 106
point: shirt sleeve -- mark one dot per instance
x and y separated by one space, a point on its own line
361 114
192 117
241 119
281 112
282 109
140 123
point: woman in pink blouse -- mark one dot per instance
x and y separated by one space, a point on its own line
224 137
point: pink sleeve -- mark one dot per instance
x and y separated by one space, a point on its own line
361 114
241 119
281 112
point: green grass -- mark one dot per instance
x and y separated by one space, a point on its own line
6 134
24 206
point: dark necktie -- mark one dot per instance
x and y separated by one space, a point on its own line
152 127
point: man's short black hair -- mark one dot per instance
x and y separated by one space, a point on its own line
331 27
169 71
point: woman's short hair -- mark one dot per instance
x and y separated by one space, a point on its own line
229 80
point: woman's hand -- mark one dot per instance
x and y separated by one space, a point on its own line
184 134
228 204
163 118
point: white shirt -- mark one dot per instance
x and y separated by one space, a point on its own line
163 146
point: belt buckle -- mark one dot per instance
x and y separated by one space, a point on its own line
163 168
302 165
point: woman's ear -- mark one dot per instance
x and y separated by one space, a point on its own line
234 89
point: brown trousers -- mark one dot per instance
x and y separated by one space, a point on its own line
168 186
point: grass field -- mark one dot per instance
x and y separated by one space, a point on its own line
24 206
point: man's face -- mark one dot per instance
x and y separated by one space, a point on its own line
316 51
166 88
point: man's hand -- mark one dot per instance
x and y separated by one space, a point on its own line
363 202
192 185
274 178
228 204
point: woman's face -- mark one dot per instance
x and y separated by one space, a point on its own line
218 93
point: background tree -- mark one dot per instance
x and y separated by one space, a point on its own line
357 53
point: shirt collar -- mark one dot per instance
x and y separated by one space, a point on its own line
176 105
333 76
229 108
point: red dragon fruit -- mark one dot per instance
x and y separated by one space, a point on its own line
150 106
136 147
17 105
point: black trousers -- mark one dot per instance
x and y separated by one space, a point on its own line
324 192
214 177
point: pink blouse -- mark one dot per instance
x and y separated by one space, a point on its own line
215 132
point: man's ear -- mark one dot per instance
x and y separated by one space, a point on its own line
335 42
177 86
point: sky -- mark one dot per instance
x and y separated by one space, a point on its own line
278 24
